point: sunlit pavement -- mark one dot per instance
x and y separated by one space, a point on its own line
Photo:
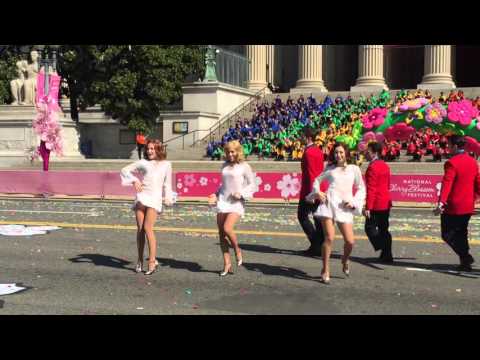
87 266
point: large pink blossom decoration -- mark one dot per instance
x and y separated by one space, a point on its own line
380 137
369 136
47 126
399 131
414 104
362 146
435 113
374 118
462 112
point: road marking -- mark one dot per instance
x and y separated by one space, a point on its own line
206 231
442 271
51 212
418 269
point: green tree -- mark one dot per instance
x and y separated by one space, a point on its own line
132 83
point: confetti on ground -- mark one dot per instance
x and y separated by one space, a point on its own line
195 306
188 292
140 308
7 289
458 290
21 230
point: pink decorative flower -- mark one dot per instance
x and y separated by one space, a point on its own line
362 146
435 113
47 126
478 122
414 104
369 136
462 112
380 137
400 131
374 118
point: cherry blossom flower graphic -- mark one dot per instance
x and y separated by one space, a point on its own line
267 187
203 181
189 180
289 186
258 182
179 185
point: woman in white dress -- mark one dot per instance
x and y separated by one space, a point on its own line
238 185
157 178
338 204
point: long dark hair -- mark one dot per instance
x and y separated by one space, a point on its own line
331 156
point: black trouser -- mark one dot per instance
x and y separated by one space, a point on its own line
455 233
140 148
314 232
376 228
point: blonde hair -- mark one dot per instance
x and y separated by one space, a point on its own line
237 147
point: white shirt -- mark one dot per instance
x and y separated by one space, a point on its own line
236 178
341 181
157 181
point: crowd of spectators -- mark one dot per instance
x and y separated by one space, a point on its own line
274 129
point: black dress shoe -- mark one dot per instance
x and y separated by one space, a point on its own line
387 260
464 267
311 252
468 260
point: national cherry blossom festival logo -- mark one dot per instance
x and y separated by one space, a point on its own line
289 186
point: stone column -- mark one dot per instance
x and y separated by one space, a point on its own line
310 69
438 68
271 63
277 75
257 68
370 69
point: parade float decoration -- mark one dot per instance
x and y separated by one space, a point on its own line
47 125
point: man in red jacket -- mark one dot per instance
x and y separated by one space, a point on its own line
312 166
378 203
460 185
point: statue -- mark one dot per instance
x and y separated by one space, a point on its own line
210 64
17 85
30 85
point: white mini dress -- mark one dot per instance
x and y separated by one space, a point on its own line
157 182
341 182
236 178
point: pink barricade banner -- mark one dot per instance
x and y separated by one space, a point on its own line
72 183
404 188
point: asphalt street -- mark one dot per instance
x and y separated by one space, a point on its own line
86 267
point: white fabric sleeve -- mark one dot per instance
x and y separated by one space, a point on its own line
220 188
316 185
126 173
249 182
167 185
359 198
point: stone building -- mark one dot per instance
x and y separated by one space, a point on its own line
359 68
